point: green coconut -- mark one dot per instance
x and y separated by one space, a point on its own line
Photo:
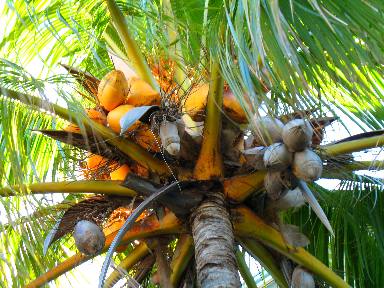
267 130
297 135
277 157
89 238
307 165
301 278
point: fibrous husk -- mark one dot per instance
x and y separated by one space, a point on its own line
267 130
194 104
277 157
307 165
292 199
194 129
89 238
248 141
113 90
255 157
231 141
169 136
114 116
301 278
140 93
233 108
297 135
293 236
276 183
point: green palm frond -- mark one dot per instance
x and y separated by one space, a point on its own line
357 217
307 48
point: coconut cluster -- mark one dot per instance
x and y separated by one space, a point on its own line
286 154
116 97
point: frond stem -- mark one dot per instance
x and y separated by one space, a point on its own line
209 165
133 52
107 187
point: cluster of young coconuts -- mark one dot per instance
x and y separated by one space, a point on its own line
288 160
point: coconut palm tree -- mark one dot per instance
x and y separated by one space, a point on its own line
187 158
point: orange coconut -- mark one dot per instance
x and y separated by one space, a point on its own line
120 173
196 101
233 108
95 162
113 90
140 93
113 118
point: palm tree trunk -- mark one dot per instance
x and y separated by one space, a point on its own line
214 244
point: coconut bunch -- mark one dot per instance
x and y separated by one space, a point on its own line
290 163
116 97
288 157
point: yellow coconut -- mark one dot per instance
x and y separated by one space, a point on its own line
120 173
140 93
233 108
194 104
196 101
113 90
95 162
114 116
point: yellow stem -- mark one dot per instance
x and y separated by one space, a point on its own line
209 165
238 188
150 227
133 52
107 187
181 258
138 253
353 145
259 252
248 225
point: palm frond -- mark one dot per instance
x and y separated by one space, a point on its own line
356 216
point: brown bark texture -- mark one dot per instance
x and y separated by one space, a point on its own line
214 244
